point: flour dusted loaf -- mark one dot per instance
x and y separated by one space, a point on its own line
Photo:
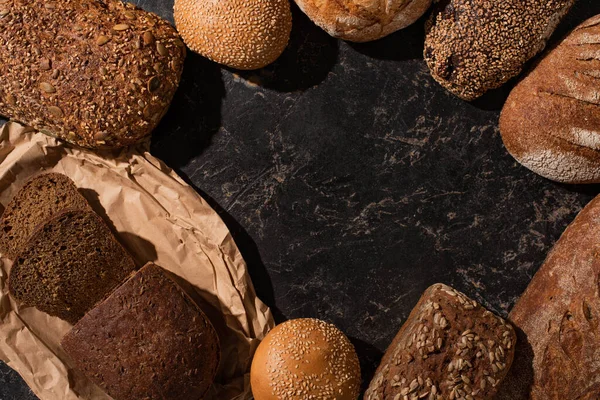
558 319
71 262
147 340
42 197
450 347
472 46
94 73
551 120
363 20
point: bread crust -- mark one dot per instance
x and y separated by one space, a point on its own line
147 340
551 120
472 46
450 347
363 20
558 317
93 73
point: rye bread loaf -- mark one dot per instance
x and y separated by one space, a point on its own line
94 73
472 46
360 20
70 263
450 347
551 120
147 340
42 197
558 320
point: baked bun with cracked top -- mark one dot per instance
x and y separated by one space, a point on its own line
363 20
472 46
241 34
99 74
305 359
551 120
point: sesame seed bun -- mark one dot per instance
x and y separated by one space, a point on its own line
363 20
305 359
242 34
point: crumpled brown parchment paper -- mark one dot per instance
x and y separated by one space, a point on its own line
158 218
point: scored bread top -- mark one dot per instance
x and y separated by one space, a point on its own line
450 347
550 123
42 197
362 21
94 73
71 262
147 340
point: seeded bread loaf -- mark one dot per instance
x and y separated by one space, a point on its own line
147 340
558 319
41 198
94 73
360 20
551 120
472 46
70 263
449 348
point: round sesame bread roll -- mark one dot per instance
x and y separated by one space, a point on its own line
305 359
363 20
241 34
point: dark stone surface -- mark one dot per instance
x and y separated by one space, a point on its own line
352 181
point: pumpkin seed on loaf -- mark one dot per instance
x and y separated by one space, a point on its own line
241 34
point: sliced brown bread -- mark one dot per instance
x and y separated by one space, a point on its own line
147 340
39 200
70 263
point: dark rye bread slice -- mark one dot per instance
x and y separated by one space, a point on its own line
70 263
147 340
38 200
450 347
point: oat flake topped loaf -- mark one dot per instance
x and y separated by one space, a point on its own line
450 347
94 73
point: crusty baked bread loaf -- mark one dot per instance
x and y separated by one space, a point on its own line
305 359
363 20
42 197
70 263
147 340
558 320
449 348
472 46
94 73
242 34
551 120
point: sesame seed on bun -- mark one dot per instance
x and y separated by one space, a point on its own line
242 34
305 359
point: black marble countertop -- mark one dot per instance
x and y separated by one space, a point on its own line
352 181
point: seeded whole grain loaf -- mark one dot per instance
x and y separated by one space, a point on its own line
42 197
450 347
360 20
147 340
70 263
558 320
472 46
551 120
94 73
